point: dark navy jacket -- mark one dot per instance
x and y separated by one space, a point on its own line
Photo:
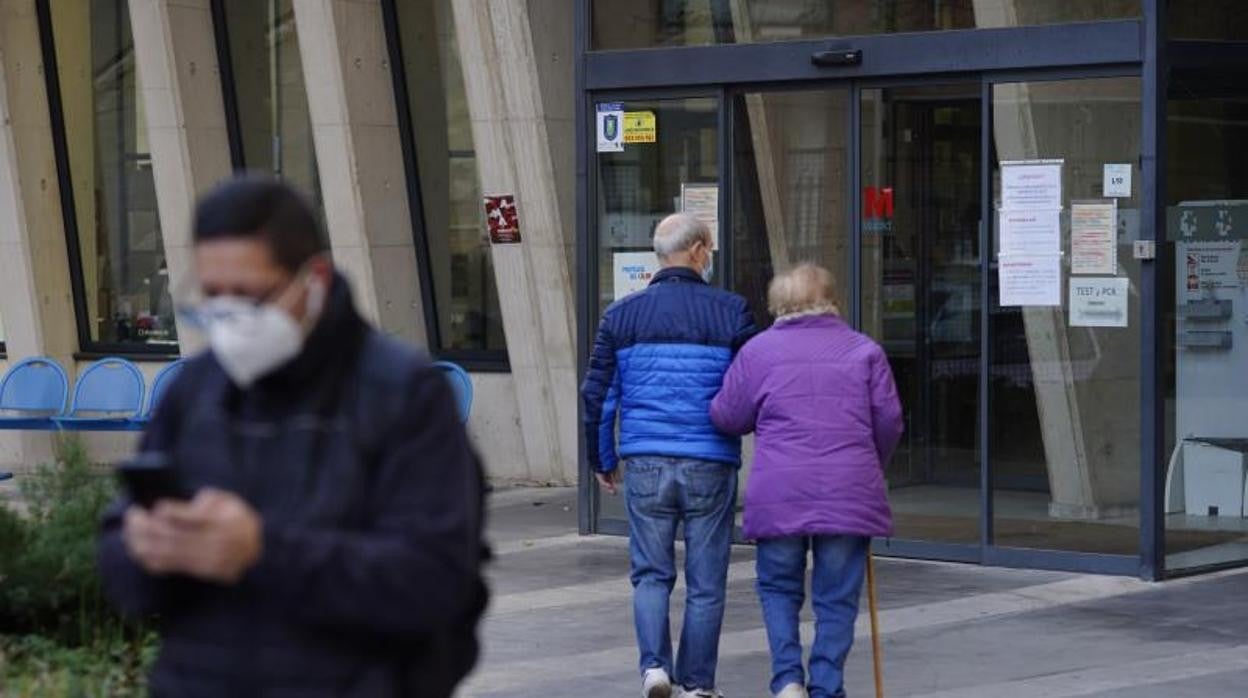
659 359
369 582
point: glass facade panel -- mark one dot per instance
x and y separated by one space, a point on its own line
791 160
640 184
120 254
1065 390
1205 294
274 124
921 295
669 23
1225 20
464 287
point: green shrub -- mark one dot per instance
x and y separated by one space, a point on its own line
58 636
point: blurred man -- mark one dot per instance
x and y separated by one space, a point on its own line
659 359
333 543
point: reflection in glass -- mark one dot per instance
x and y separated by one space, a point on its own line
119 243
641 184
648 23
1065 397
790 157
921 295
1206 295
274 122
450 194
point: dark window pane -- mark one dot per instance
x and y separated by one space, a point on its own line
110 174
1208 19
274 122
464 289
647 23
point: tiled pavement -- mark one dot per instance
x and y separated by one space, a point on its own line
561 624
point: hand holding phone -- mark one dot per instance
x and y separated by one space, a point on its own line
148 477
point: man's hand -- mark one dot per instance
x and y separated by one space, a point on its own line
216 537
610 481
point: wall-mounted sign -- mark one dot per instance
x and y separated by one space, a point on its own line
640 127
633 271
501 219
1099 302
702 201
611 128
1093 237
1117 182
877 209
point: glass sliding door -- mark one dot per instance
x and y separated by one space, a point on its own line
1064 374
920 295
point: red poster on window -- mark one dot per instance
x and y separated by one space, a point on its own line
501 219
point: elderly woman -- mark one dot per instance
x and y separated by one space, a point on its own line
821 400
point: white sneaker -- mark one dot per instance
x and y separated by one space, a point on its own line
656 684
793 690
701 693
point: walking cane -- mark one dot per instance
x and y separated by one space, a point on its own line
876 658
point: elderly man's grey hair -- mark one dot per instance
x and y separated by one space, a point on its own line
679 232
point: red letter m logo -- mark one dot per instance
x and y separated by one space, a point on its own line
877 202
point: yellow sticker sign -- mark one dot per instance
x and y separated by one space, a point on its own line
640 127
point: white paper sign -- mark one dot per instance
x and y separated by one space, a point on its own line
1030 279
1093 237
610 128
702 200
1029 232
633 271
1099 302
1117 181
1029 186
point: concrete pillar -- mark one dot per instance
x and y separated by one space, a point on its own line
180 89
355 129
516 107
37 305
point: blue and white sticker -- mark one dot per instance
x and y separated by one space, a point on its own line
611 128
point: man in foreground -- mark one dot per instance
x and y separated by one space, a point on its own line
332 544
659 359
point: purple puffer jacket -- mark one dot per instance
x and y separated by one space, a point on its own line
824 407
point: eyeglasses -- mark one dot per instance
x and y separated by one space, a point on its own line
200 311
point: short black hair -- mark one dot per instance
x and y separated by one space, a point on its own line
261 206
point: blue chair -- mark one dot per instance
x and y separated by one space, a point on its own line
461 384
32 392
107 397
160 385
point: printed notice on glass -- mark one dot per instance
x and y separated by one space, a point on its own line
1098 302
1029 280
633 271
1093 237
702 201
1031 232
1029 185
611 128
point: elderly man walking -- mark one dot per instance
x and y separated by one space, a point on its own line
659 359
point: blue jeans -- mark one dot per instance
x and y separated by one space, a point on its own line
840 564
660 494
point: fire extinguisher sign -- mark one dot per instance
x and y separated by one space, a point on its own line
611 128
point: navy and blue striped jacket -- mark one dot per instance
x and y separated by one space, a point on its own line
659 359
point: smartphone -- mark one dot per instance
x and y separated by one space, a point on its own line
149 477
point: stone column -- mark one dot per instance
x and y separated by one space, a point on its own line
36 306
180 86
355 129
520 116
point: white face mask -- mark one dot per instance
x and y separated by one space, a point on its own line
251 341
709 269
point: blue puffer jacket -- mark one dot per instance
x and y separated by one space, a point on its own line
659 359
